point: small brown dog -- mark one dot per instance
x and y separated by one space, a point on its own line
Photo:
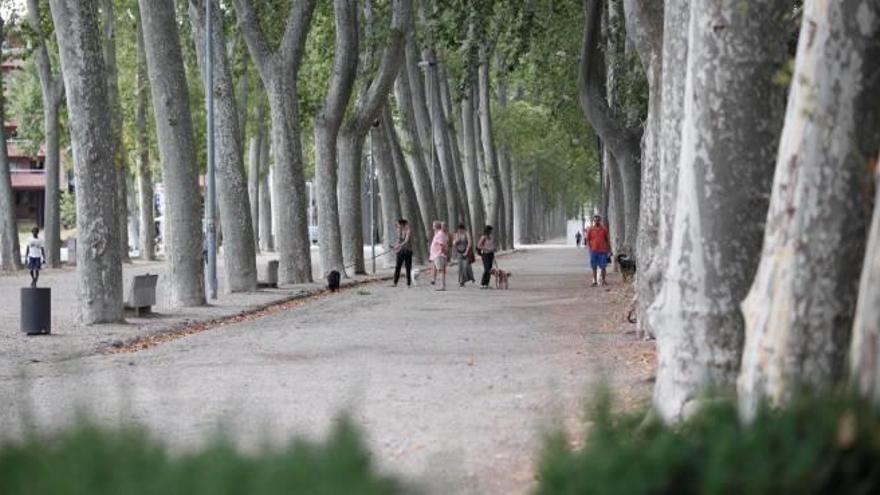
501 278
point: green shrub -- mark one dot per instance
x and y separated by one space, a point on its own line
95 461
829 445
67 210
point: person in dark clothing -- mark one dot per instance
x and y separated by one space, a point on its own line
577 238
486 247
404 252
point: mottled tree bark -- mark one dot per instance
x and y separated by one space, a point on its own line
799 312
644 21
239 252
442 144
864 362
10 255
98 267
144 173
327 125
506 169
725 175
52 91
454 141
185 283
351 139
279 71
675 53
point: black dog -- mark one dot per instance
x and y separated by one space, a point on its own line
627 266
333 281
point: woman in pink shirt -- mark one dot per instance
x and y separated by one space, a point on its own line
440 253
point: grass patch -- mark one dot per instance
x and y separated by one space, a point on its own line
817 445
96 461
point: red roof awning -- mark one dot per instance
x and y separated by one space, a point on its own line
28 181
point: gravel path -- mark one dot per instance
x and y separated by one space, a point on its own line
453 389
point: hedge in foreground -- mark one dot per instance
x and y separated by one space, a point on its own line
815 446
94 461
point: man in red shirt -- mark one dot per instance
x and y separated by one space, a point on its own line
599 243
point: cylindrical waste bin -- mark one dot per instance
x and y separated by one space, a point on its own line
36 310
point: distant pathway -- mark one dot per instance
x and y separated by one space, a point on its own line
452 388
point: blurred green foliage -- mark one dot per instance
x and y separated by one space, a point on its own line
817 445
93 461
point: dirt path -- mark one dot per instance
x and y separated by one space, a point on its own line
453 389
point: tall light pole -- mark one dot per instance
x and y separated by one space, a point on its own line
211 193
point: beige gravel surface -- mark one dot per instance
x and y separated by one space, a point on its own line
452 389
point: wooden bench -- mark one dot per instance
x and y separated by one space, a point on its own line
142 293
267 275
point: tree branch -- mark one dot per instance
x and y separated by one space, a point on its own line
293 43
621 139
44 65
644 24
249 25
370 106
345 61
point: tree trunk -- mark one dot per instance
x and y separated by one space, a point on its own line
506 171
254 174
109 45
99 268
495 198
52 92
645 20
623 142
279 71
616 219
441 143
239 251
131 209
408 199
388 189
799 312
675 54
367 110
327 124
267 237
10 254
420 172
471 168
864 363
144 172
454 147
724 181
183 234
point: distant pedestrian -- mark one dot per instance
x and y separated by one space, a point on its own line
464 248
598 241
36 255
486 248
577 238
439 253
404 252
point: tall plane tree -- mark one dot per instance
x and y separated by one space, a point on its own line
279 71
183 235
109 17
52 91
99 268
726 170
366 110
10 258
239 250
799 312
621 141
147 235
327 124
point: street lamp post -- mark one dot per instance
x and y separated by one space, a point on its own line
211 194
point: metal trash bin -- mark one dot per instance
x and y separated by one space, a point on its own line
36 310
